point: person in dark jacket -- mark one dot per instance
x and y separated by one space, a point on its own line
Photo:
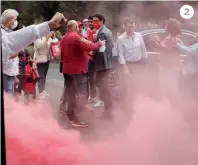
103 62
91 70
74 52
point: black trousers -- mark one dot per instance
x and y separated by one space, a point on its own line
104 92
76 94
91 79
42 71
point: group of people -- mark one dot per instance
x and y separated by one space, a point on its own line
21 71
86 58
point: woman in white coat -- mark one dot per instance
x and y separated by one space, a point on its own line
42 56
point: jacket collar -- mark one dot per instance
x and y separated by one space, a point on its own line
100 29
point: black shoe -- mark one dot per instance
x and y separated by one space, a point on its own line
78 123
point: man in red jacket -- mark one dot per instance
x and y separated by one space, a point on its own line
74 52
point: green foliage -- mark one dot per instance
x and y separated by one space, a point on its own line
114 11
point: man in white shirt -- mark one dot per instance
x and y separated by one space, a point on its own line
10 66
131 55
15 41
131 47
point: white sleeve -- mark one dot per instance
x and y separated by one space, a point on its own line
35 50
15 41
120 52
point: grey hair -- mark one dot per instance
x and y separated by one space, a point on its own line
9 13
71 24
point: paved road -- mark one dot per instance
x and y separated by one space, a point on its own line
54 83
54 86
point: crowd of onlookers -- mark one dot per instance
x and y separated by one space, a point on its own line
86 60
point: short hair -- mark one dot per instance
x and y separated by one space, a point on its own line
128 20
90 17
100 17
85 20
7 14
71 24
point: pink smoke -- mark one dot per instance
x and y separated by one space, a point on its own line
158 135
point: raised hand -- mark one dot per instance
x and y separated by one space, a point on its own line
57 20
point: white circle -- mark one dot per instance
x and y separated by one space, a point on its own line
186 11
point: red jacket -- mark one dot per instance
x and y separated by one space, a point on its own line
74 50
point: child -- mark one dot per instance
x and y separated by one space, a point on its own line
30 79
22 63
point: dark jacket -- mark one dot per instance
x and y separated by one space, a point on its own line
103 60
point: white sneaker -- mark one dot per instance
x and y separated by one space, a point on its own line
45 93
92 100
42 96
99 104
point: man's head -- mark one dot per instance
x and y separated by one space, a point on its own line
86 24
80 25
98 21
9 18
72 26
129 26
90 19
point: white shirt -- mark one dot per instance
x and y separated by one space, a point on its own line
84 33
131 48
10 66
15 41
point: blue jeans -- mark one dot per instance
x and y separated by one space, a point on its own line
8 84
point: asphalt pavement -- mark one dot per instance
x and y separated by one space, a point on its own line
97 128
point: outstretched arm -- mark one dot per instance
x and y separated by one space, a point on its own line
15 41
191 50
86 45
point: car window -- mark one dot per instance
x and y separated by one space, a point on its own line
186 38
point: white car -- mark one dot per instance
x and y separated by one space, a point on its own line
188 37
